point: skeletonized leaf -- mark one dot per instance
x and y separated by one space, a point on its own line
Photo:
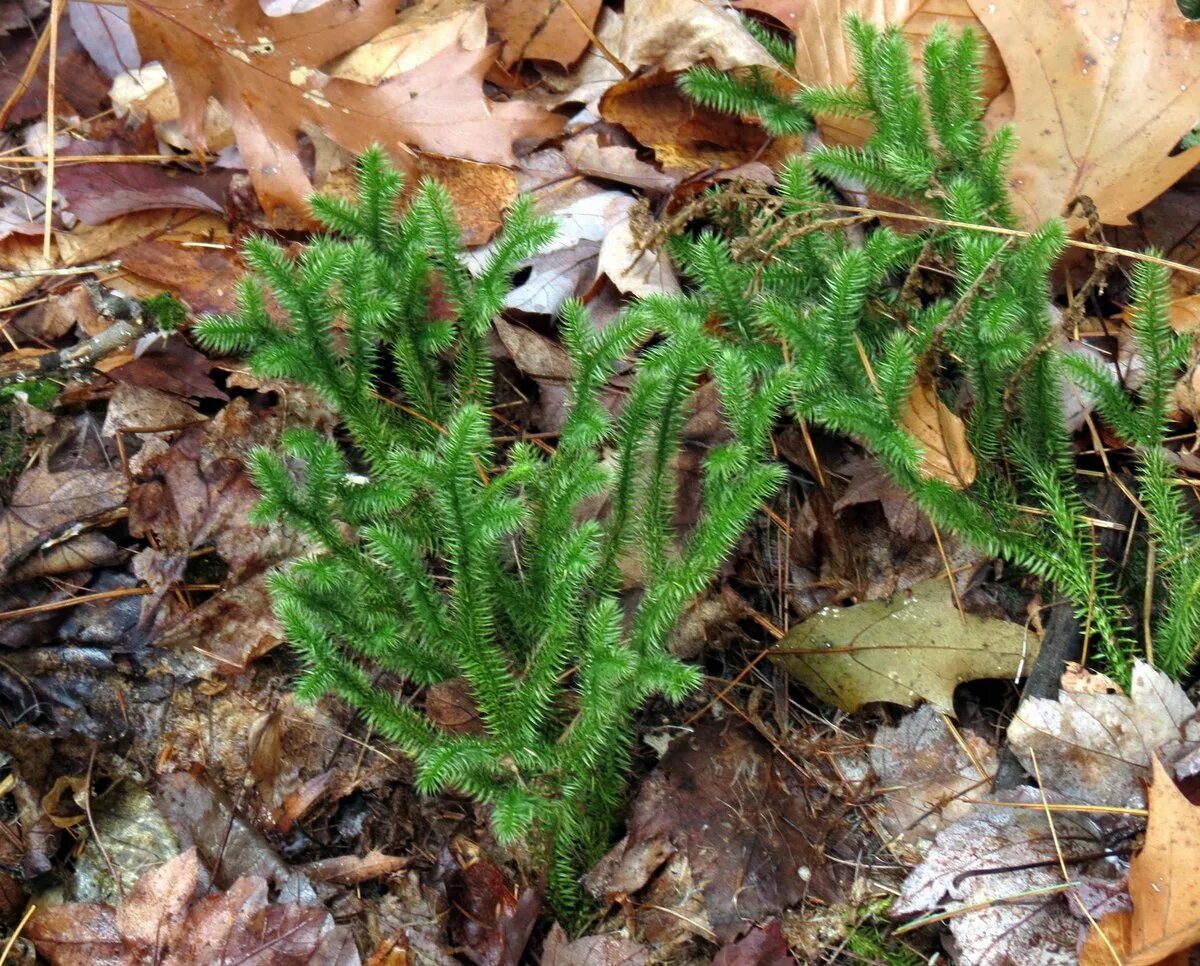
914 646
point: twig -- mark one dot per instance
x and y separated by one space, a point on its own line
87 810
100 268
56 7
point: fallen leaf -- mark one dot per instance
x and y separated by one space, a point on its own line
1109 935
1090 119
824 55
494 918
264 70
981 866
615 162
915 646
1164 878
131 407
868 483
722 836
480 193
686 138
925 772
1097 748
351 870
147 93
97 193
77 934
591 76
104 33
945 456
761 946
45 505
606 949
151 916
633 265
673 35
542 29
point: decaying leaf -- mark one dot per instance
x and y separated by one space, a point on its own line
607 949
915 646
721 836
1092 120
998 870
1164 879
925 773
945 456
265 71
1097 746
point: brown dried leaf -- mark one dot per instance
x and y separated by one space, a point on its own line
615 162
1164 878
542 29
265 71
1091 119
942 435
350 870
721 837
151 916
607 949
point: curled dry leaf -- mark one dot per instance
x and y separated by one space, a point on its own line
1164 879
1092 119
917 645
946 455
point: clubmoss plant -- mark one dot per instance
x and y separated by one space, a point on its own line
445 556
860 318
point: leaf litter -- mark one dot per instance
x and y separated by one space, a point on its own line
304 821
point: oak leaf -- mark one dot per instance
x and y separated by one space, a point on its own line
1093 117
266 71
556 30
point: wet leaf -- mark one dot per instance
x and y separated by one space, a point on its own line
1096 746
606 949
915 646
77 934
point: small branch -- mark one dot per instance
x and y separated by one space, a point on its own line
100 268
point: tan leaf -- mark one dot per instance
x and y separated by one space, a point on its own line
914 646
823 54
942 436
419 33
1094 117
265 71
1109 935
542 29
1164 878
673 35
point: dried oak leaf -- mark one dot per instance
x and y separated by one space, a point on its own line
946 455
1092 119
673 35
266 72
1164 878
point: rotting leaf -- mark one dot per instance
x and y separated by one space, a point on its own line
1096 746
917 645
496 917
265 71
605 949
1091 119
1164 878
723 835
945 455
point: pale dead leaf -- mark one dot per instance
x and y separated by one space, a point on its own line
824 56
999 854
1164 878
673 35
1097 747
942 435
1091 118
591 77
615 162
633 268
419 33
914 646
925 773
542 29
